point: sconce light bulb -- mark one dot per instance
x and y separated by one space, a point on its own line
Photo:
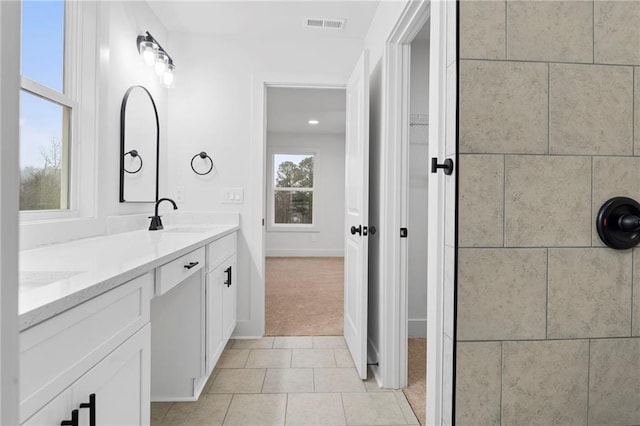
148 51
168 76
161 63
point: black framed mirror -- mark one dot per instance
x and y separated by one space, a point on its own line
139 147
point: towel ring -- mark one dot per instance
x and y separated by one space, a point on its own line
134 154
202 155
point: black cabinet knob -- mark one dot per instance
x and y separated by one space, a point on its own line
447 166
357 230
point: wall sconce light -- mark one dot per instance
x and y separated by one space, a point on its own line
154 55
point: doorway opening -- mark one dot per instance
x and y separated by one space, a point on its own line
416 207
304 222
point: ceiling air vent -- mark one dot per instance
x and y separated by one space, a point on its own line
333 24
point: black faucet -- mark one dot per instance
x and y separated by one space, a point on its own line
156 222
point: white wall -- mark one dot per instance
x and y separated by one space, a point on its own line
327 239
119 66
211 109
418 191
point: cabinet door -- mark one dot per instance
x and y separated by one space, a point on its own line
54 412
229 297
121 384
215 341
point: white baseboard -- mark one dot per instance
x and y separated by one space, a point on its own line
304 253
417 328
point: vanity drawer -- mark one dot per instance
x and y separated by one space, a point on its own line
221 249
176 271
54 353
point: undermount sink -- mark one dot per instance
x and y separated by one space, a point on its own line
190 229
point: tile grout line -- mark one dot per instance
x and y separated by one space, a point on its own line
504 200
633 262
226 413
546 313
344 410
501 377
588 377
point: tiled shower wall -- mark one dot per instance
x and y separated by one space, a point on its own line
548 319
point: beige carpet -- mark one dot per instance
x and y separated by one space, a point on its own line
304 296
416 392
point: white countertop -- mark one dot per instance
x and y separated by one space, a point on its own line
59 277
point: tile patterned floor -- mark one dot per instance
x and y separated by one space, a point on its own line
287 381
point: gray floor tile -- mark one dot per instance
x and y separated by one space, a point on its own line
263 343
343 358
269 358
288 380
257 410
290 342
245 380
209 410
373 408
330 342
337 380
315 409
233 358
309 358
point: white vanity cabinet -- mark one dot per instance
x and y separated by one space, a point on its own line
100 347
221 295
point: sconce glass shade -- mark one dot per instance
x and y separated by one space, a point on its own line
162 60
168 76
148 51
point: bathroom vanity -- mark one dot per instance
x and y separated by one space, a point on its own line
109 324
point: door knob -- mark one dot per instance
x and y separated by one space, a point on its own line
447 166
357 230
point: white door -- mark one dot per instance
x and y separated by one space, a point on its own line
357 214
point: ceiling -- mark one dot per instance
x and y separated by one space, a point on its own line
265 18
290 109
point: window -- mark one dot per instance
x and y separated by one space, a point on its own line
47 107
292 189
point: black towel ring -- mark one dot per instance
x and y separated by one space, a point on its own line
202 155
134 154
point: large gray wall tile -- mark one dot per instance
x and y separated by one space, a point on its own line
613 176
590 109
478 383
481 201
548 201
614 382
545 383
482 29
554 31
501 294
503 107
589 293
616 32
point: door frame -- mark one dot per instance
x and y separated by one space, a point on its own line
397 57
258 160
397 68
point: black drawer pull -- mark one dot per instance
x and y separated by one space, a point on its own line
91 405
74 419
191 265
227 271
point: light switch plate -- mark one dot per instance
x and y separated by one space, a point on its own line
232 195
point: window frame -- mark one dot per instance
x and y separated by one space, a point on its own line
76 74
292 227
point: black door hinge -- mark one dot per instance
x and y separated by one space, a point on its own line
403 232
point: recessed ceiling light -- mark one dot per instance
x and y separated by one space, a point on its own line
314 122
